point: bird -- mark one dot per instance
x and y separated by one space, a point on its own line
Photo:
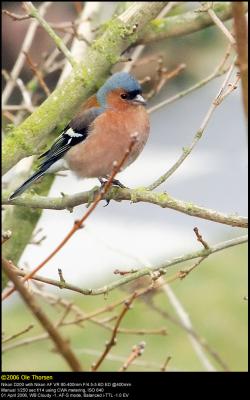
99 134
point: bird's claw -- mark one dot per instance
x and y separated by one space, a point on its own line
107 202
115 182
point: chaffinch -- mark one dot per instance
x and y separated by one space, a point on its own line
100 133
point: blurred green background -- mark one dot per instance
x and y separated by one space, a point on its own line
213 294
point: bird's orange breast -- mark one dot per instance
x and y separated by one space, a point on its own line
109 138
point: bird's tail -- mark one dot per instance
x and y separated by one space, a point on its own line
27 183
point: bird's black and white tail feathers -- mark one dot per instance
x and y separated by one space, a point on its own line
27 183
56 152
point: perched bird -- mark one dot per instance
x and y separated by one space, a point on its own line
100 133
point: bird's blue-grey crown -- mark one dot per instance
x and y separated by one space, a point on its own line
119 80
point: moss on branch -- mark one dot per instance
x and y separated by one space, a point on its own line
183 24
163 200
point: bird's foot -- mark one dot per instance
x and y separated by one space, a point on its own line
103 183
115 182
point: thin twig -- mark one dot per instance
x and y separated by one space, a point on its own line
119 272
37 73
142 363
82 317
136 352
199 133
219 70
62 280
142 272
184 272
163 76
61 344
197 342
24 92
112 340
16 17
200 239
91 12
21 58
33 12
8 339
183 316
24 342
136 53
165 364
178 323
220 25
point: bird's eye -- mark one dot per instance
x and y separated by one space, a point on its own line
124 96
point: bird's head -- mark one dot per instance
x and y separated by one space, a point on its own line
120 91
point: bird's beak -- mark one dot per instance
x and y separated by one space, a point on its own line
139 100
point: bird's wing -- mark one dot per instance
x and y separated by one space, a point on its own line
73 134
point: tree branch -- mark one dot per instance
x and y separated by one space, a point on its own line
222 93
33 12
61 344
219 70
184 24
163 200
21 58
240 26
142 272
112 340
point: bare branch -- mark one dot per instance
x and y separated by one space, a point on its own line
183 24
16 17
200 239
240 26
187 150
165 365
219 70
27 329
61 344
21 58
220 24
163 200
33 12
112 340
37 73
142 272
136 352
186 321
